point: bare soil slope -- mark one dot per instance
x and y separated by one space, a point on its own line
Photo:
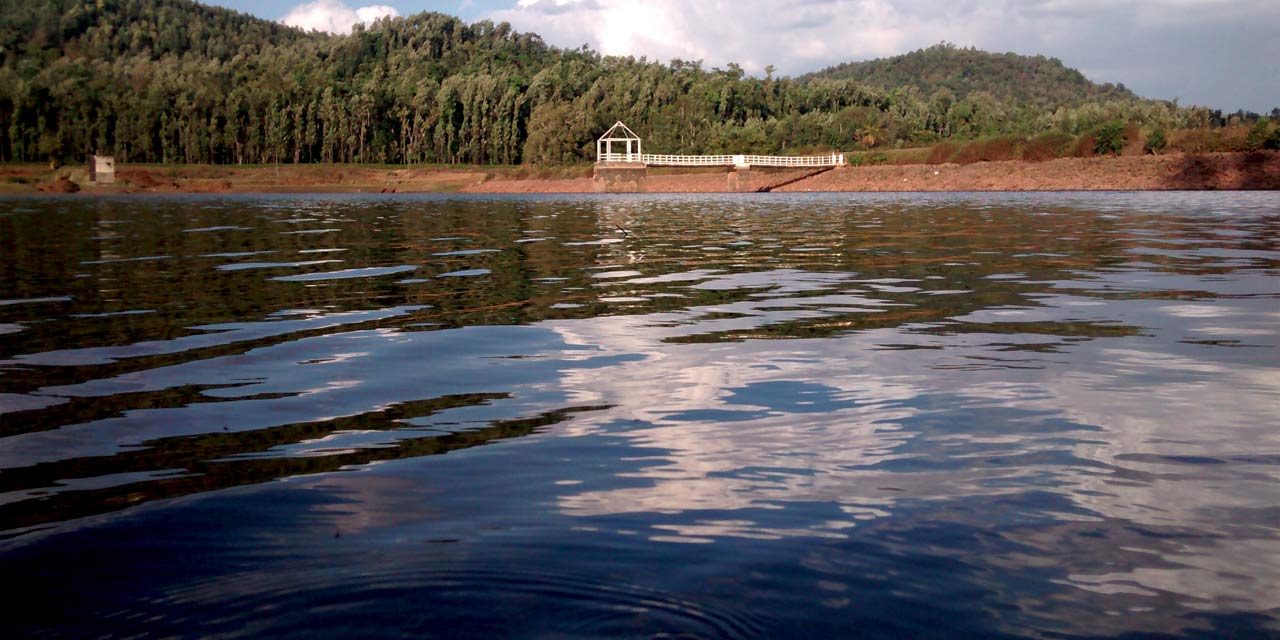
1127 173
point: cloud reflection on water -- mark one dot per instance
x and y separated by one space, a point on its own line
1138 435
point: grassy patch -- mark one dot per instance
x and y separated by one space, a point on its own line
1206 140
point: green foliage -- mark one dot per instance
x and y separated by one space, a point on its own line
866 159
1273 141
1257 134
1000 148
1110 138
945 69
1155 142
176 81
1210 140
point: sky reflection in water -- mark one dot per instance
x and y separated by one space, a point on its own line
723 416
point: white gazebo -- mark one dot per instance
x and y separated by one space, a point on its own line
620 134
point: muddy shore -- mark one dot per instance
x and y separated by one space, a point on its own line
1209 171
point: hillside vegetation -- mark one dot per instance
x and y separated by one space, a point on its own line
176 81
948 70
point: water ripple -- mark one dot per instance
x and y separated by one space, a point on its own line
941 415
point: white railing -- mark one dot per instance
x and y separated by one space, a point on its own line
620 157
833 160
687 161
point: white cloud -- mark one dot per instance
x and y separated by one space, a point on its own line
334 16
1161 48
371 13
803 36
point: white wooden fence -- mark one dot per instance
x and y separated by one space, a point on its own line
656 160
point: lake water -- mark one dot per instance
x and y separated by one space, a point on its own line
757 416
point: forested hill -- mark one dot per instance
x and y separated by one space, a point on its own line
1008 77
176 81
40 31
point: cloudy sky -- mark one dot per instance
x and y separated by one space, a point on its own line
1220 53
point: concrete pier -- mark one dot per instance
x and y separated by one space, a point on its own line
739 180
619 177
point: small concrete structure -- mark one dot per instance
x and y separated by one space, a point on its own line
102 169
619 177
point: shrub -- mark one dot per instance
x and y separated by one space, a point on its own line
997 149
1273 141
1132 134
1257 135
1155 142
968 153
941 153
1110 138
1047 146
1205 140
1085 146
1196 141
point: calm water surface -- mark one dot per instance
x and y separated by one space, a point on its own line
945 416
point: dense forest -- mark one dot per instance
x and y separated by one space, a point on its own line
1007 78
176 81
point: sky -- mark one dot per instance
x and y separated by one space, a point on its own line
1216 53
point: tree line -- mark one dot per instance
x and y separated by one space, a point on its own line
174 81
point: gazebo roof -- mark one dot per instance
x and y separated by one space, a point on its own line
618 132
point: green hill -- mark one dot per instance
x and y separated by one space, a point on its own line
1007 77
37 31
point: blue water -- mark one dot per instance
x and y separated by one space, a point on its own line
764 416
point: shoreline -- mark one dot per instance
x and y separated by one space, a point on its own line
1169 172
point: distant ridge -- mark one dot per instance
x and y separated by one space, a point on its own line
1008 77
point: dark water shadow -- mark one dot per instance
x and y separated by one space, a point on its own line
173 467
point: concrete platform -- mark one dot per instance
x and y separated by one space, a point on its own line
619 177
739 180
